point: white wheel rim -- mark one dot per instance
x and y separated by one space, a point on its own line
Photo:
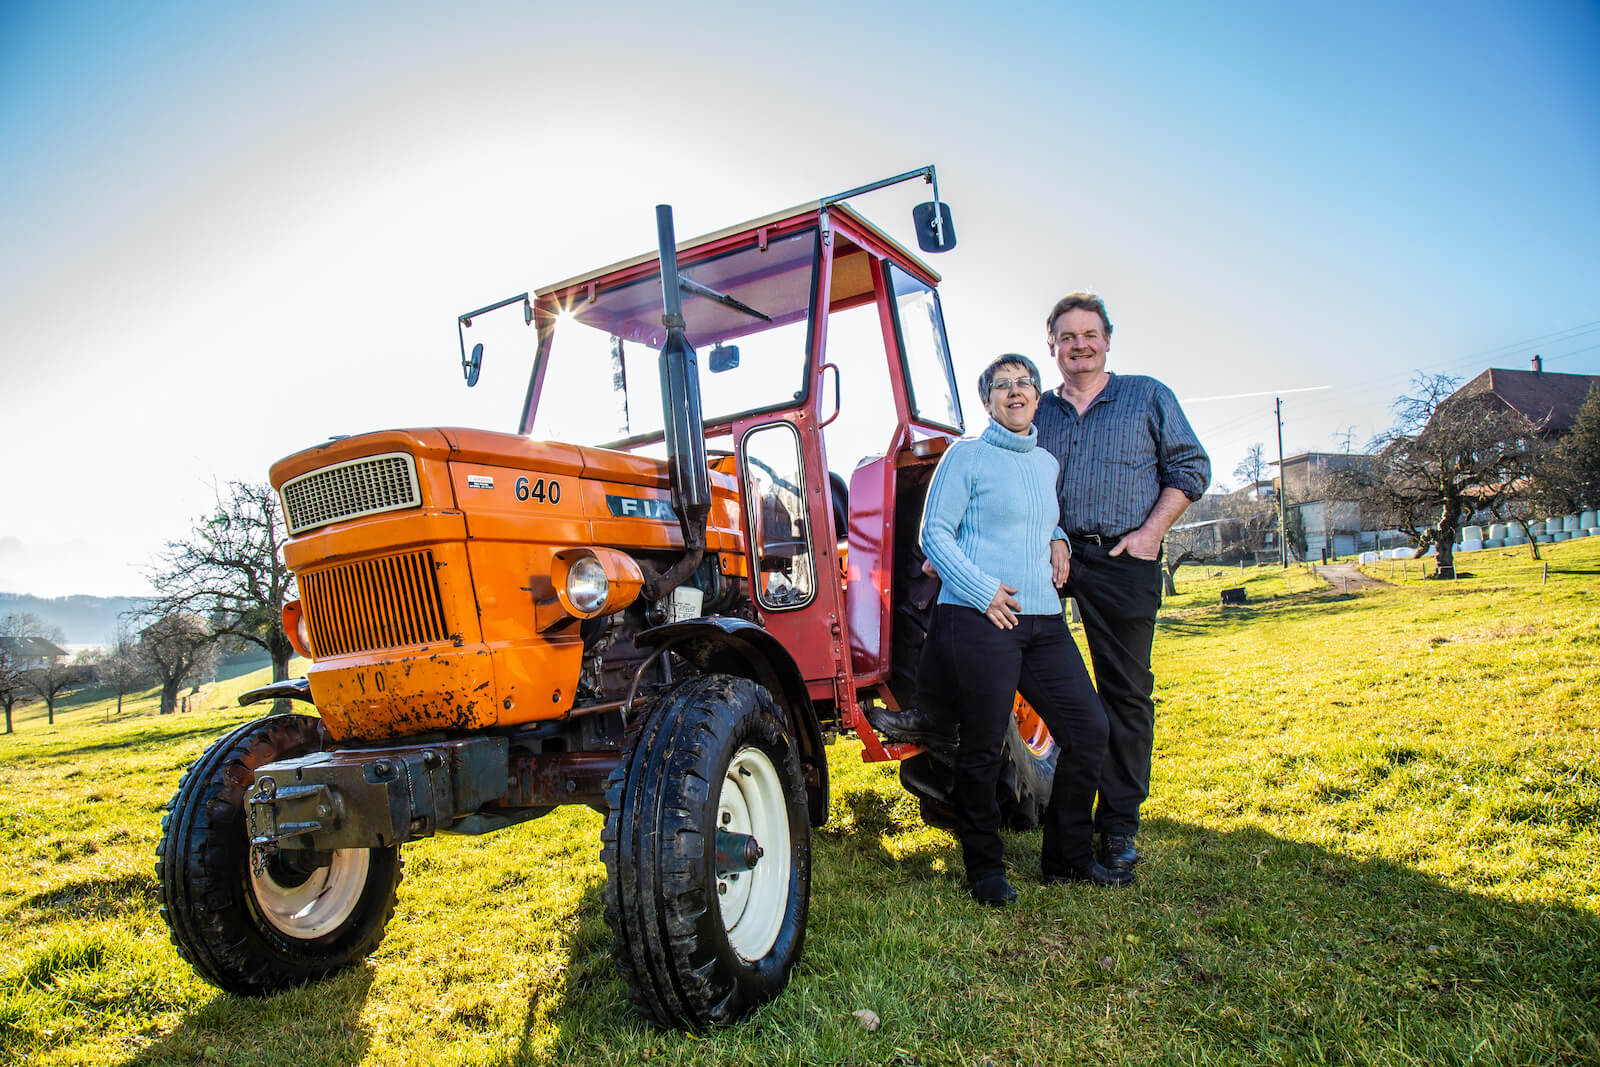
320 903
753 902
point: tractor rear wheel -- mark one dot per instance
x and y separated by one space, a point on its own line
708 855
1029 768
1026 773
254 927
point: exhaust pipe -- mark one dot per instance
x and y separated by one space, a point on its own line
682 422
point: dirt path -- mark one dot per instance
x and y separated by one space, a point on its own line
1345 577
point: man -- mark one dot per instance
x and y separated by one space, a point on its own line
1130 465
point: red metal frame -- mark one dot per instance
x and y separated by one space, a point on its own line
840 639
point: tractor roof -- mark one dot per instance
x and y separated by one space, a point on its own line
787 220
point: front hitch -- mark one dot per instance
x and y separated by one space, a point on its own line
373 797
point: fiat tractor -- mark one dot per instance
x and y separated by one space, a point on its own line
652 599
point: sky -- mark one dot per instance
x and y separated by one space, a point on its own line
228 232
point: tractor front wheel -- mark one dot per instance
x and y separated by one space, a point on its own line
708 855
254 925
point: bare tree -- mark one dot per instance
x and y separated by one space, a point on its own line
17 632
122 668
1446 458
1553 476
178 646
1179 548
10 670
1536 484
50 680
231 571
1252 467
1345 438
1237 531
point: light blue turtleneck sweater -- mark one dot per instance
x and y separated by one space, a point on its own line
990 516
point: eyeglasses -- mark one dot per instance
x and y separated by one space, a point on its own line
1005 385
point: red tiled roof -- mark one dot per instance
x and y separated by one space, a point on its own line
1539 395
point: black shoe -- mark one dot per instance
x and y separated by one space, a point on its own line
992 890
911 725
1094 874
1117 852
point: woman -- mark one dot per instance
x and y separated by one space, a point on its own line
987 527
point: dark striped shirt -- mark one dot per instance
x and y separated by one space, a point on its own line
1117 456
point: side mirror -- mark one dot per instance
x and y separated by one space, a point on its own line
473 364
722 358
935 231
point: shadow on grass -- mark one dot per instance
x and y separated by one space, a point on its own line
862 822
97 898
593 987
1291 608
152 739
320 1022
1239 946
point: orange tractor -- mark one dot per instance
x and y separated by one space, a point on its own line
652 599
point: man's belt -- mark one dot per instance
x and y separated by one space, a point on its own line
1099 540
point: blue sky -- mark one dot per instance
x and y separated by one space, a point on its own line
228 231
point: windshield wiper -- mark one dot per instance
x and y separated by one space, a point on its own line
689 285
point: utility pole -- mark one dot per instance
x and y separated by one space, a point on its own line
1283 488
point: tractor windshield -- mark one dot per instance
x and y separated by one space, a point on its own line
747 313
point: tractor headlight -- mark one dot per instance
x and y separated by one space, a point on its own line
587 585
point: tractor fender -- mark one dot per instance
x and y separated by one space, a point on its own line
725 645
289 689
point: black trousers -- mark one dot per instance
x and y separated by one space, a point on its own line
1118 597
974 669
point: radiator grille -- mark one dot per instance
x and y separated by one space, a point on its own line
382 603
347 490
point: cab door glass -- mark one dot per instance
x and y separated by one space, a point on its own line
774 493
926 355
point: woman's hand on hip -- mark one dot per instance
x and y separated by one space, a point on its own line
1003 609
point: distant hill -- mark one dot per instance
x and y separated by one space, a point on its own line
85 620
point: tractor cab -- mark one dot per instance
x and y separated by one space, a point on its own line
821 349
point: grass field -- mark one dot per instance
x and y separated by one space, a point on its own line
1372 840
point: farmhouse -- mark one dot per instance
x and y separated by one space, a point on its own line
1548 400
31 653
1336 526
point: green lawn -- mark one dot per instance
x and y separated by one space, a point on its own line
1372 839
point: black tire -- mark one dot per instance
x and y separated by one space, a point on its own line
699 947
1023 789
256 933
1026 776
